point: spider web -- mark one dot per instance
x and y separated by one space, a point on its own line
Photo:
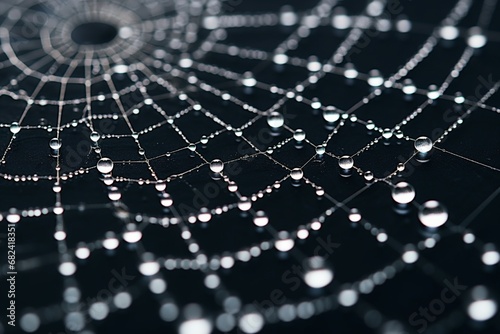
186 175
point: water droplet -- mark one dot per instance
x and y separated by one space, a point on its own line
160 186
67 268
354 215
132 236
433 92
368 176
459 98
317 274
448 32
299 135
56 188
490 255
13 217
248 79
296 174
433 214
346 162
469 238
482 307
250 323
370 125
98 310
280 59
408 87
410 255
114 194
15 128
244 204
166 200
348 297
423 144
232 186
204 215
30 322
387 134
403 193
105 165
122 300
375 78
82 252
320 149
55 144
108 180
94 136
111 242
275 120
260 219
313 64
149 267
284 243
216 166
476 39
331 115
350 71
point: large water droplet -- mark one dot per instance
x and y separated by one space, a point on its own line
423 144
331 115
403 193
105 165
433 214
260 219
216 166
15 128
55 144
296 174
94 136
346 162
299 135
275 120
317 274
482 306
244 204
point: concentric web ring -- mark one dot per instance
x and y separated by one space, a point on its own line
234 166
